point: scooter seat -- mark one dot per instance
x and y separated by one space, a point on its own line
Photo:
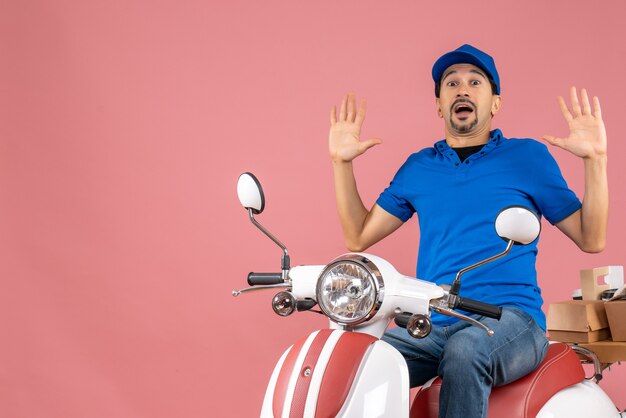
520 399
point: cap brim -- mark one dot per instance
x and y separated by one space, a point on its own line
456 57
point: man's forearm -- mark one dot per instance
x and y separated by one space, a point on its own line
352 212
594 214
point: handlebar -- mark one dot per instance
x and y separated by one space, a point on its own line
466 304
255 279
480 308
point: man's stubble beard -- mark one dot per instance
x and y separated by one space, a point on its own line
462 129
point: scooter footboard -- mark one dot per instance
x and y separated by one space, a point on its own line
337 373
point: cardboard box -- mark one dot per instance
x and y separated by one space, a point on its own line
590 283
616 314
608 351
578 321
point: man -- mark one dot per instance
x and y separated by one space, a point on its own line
457 187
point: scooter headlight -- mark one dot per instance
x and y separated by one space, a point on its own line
350 290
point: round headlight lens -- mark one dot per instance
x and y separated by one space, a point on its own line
348 292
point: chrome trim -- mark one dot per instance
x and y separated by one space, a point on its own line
509 245
266 232
379 285
260 287
270 236
441 306
592 358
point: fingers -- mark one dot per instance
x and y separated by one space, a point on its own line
566 114
342 111
585 102
365 145
574 99
351 107
597 112
348 111
360 115
553 140
580 108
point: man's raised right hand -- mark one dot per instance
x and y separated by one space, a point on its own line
343 141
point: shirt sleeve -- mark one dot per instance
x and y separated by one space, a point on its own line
550 191
394 199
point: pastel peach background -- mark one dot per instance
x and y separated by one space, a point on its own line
124 126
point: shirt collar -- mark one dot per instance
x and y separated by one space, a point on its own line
495 138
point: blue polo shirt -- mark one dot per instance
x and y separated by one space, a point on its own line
457 203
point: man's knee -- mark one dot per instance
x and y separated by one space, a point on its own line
465 352
408 346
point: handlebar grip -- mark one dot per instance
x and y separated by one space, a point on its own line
402 319
480 308
264 278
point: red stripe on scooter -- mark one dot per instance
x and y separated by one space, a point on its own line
282 383
340 372
287 369
304 381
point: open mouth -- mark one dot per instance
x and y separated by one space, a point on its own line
462 110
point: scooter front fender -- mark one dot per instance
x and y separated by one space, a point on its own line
338 373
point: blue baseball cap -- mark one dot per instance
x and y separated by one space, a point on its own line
467 54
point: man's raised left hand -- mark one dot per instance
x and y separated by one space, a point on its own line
587 135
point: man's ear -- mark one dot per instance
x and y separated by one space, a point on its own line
438 107
495 105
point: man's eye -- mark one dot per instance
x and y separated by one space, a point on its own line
451 83
475 82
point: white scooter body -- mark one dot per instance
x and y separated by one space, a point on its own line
585 399
381 389
381 384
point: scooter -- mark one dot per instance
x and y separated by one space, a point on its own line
347 371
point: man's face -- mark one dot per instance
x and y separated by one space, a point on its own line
466 102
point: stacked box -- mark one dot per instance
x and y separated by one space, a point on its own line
616 314
578 321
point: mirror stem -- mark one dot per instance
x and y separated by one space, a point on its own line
285 262
456 284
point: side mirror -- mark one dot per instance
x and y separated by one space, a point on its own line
515 225
250 193
518 224
251 197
